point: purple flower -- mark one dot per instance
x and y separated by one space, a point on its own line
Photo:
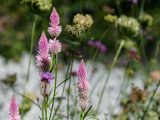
103 48
43 58
134 1
91 43
97 44
46 76
14 110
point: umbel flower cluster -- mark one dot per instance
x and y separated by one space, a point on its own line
81 23
128 26
46 50
42 5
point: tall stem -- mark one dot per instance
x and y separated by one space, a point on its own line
142 7
108 76
121 90
31 46
45 107
55 84
118 4
69 89
30 53
64 86
81 115
154 92
157 49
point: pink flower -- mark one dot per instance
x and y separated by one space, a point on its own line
55 46
54 29
83 86
14 110
43 58
54 18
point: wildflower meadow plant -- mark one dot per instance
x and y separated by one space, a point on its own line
66 93
83 86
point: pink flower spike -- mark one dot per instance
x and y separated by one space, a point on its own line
83 86
43 58
14 110
55 46
54 18
43 45
55 31
82 72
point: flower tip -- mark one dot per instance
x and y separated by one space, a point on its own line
43 35
82 63
54 9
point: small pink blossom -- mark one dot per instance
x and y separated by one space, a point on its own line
14 110
83 86
55 46
43 58
55 29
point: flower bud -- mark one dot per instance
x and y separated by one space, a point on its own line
110 18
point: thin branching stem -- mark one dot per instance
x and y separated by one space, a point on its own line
109 73
150 101
69 90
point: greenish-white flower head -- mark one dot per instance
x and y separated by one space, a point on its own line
41 5
128 26
110 18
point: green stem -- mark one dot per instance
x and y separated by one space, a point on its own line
109 72
45 107
55 84
43 115
30 54
143 47
142 7
157 49
118 4
68 91
64 86
81 115
154 92
121 89
31 46
75 99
